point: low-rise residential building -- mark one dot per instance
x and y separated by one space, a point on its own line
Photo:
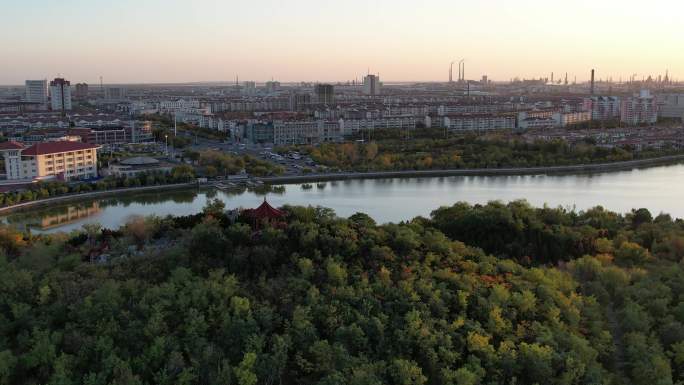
573 118
63 160
398 122
178 105
306 132
479 122
101 137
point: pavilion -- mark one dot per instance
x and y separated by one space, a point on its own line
265 214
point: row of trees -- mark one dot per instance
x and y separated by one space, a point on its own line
328 300
42 190
214 163
467 151
164 125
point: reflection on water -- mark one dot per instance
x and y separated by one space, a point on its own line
61 216
389 200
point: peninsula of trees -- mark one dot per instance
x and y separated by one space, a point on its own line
485 294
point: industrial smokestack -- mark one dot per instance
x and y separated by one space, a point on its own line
592 82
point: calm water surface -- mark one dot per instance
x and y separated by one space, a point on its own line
660 189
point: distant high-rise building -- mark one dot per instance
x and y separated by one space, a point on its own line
60 95
671 105
272 86
372 85
115 93
602 108
299 101
81 90
36 91
249 88
325 94
639 109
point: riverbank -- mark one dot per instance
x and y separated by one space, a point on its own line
313 178
93 194
573 169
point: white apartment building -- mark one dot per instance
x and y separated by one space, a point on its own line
115 93
639 109
372 85
671 106
475 122
37 91
398 122
215 123
572 118
178 105
50 160
272 86
60 94
551 119
249 88
602 107
305 132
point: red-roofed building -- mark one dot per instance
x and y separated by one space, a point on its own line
264 215
11 145
62 160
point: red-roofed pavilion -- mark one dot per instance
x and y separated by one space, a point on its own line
264 214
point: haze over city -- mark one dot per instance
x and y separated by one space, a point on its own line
329 192
179 41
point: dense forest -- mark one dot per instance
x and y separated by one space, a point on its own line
389 153
484 294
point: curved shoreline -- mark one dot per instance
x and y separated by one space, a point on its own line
574 169
93 194
571 169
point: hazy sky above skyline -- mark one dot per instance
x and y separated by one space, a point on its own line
129 41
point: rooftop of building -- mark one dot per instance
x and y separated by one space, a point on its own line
140 161
57 147
11 145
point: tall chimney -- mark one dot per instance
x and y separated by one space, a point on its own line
592 82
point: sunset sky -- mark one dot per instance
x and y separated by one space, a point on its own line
129 41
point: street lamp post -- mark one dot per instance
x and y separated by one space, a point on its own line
166 146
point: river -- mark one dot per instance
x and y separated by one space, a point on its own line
660 189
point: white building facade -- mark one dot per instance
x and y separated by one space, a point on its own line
60 95
641 109
61 160
37 91
306 132
372 85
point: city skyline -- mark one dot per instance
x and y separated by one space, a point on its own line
171 42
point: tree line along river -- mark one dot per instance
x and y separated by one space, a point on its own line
659 189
